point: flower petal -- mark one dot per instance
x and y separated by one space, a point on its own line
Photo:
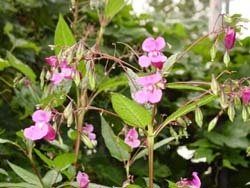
57 78
148 44
51 135
41 116
150 79
144 61
35 132
82 179
159 43
140 97
155 96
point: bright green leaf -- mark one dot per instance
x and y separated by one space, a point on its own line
17 185
184 87
4 64
44 158
19 65
113 7
52 177
63 35
112 142
25 175
64 160
112 83
131 112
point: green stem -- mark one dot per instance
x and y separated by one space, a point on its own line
81 104
34 166
99 37
150 139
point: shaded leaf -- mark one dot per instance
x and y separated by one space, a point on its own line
52 177
113 7
112 142
131 112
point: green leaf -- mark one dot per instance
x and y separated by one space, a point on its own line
16 185
226 163
113 7
63 35
25 175
186 109
112 83
54 100
4 172
112 142
156 146
184 86
19 65
133 186
52 177
4 64
44 158
131 112
172 184
64 160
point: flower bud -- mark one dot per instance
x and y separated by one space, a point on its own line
229 39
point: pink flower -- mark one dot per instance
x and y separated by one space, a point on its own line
152 89
150 44
154 57
68 72
245 96
36 132
51 134
57 78
194 183
131 138
229 39
82 179
41 116
88 130
51 61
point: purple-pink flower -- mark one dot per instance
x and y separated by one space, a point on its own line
88 130
52 61
154 55
41 128
131 138
151 91
229 39
245 96
61 70
193 183
82 179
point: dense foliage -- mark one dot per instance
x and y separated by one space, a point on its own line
204 107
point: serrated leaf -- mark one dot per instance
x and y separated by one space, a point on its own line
20 66
130 112
64 160
25 175
52 177
63 35
113 7
111 142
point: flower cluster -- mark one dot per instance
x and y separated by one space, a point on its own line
151 91
194 183
230 37
131 138
88 131
61 70
82 179
153 56
41 128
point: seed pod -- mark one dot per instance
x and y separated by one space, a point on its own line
223 100
87 141
77 78
212 123
231 112
213 52
80 51
198 117
70 120
244 114
68 110
215 87
226 58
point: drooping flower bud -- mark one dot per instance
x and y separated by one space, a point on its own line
229 39
245 96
